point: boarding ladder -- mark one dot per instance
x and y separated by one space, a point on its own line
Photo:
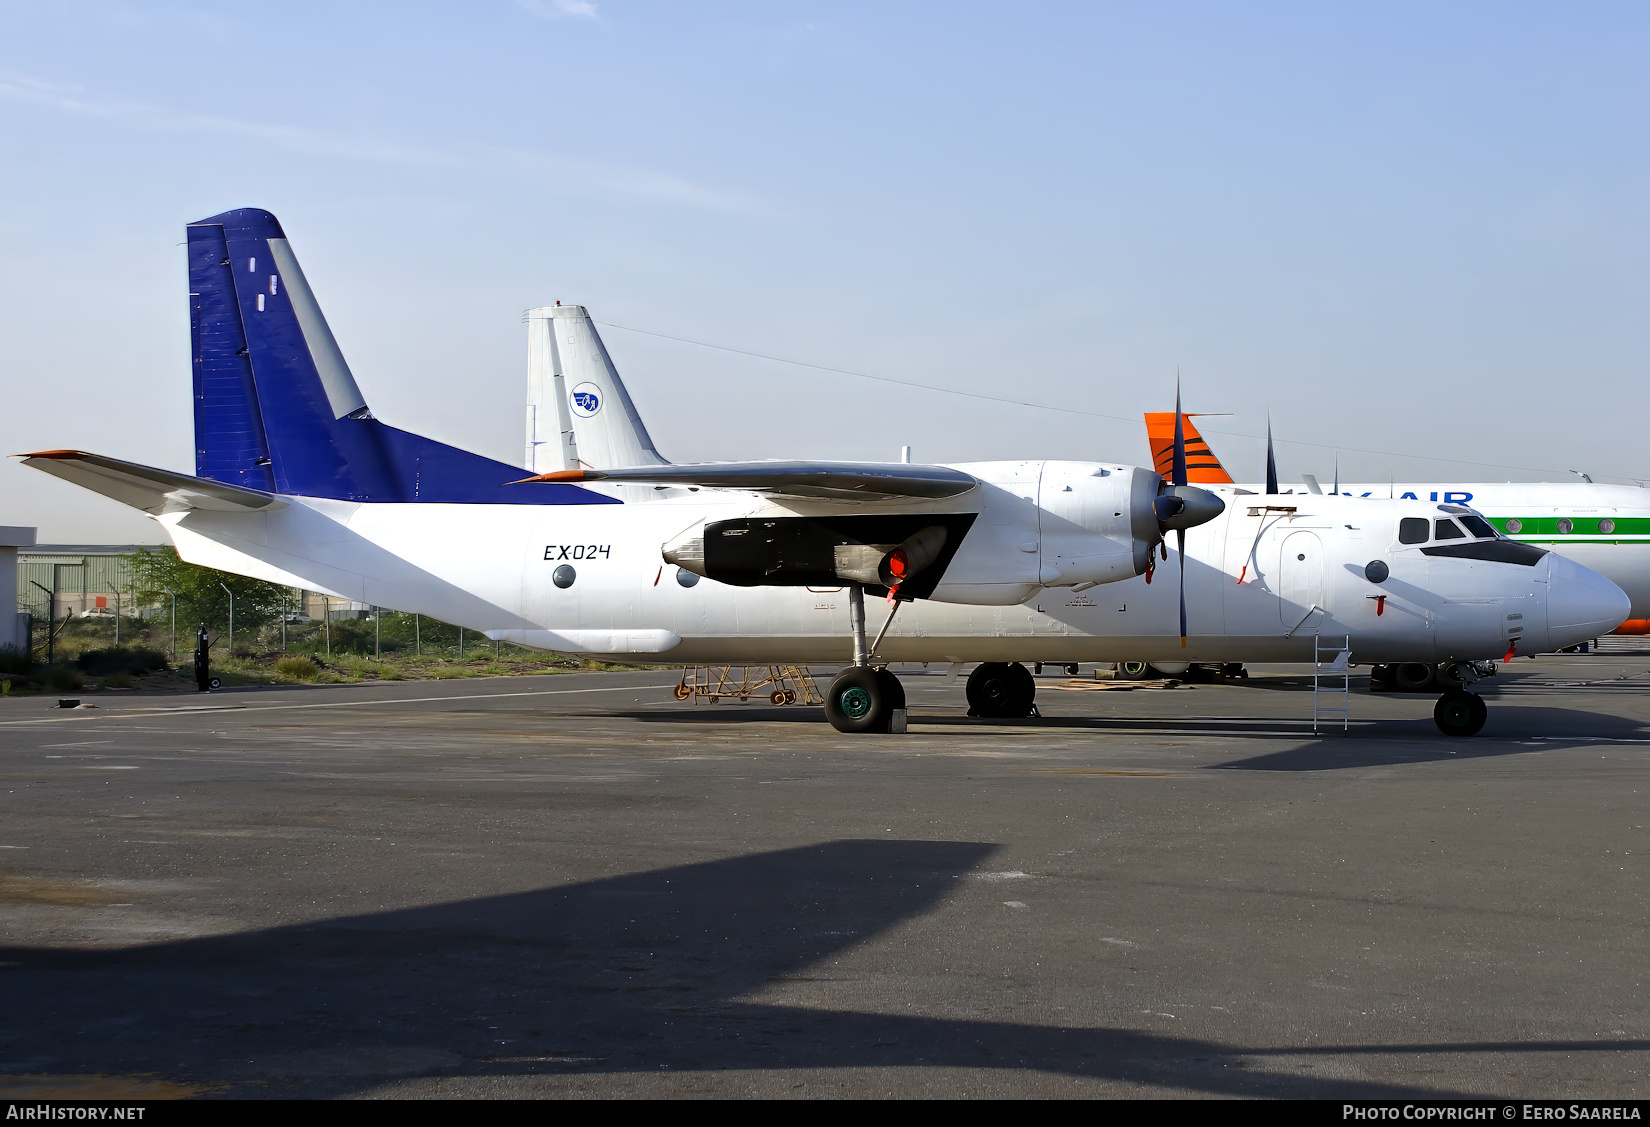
1331 659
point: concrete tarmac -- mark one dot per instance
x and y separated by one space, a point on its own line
577 886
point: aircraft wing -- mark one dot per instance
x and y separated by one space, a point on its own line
152 490
839 481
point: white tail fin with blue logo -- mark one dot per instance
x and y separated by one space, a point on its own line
579 415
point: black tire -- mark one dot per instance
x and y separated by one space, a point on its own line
1380 677
1460 713
1001 691
892 690
857 700
214 683
1413 677
1136 671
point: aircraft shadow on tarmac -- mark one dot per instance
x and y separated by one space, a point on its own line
1513 732
635 973
1370 743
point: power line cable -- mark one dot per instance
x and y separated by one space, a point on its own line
1061 410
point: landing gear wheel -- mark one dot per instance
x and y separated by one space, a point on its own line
892 689
1001 691
1135 671
778 697
1235 669
1460 713
1413 677
1380 677
857 700
790 696
683 692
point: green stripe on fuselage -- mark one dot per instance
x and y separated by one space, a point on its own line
1546 528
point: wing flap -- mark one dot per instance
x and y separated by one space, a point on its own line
152 490
839 481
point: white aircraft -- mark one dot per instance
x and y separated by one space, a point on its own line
755 562
1605 527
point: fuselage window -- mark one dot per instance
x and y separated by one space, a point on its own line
1515 526
1565 526
1448 530
1413 530
1606 526
1478 526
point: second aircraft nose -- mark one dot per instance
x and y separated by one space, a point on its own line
1581 603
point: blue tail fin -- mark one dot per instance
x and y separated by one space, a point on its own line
276 407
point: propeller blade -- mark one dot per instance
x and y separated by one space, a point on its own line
1337 489
1180 537
1271 462
1179 469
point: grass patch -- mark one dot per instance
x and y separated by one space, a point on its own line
299 667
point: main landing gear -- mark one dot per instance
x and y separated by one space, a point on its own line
865 699
860 698
1001 690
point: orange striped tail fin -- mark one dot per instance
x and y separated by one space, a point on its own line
1202 467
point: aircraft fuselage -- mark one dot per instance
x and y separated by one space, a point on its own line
1007 595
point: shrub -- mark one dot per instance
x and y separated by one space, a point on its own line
14 660
298 666
122 659
64 679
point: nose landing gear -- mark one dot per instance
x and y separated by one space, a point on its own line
1460 713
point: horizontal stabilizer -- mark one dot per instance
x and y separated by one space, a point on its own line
831 481
144 487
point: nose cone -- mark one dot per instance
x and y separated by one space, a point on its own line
1581 603
687 549
1198 506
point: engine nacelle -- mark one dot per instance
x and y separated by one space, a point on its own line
1099 522
908 551
1035 524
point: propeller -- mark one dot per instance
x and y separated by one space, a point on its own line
1271 462
1179 505
1180 479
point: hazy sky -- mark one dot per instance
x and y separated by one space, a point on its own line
1414 229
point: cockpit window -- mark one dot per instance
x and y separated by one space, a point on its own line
1449 530
1413 530
1478 526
